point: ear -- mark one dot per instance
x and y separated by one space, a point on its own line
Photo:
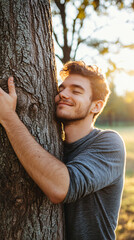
96 106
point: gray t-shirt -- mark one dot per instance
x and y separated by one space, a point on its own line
96 168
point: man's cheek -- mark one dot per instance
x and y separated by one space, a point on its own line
57 98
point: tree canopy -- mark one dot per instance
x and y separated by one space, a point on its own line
70 18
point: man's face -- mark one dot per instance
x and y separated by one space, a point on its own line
73 101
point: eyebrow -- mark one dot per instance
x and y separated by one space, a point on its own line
73 85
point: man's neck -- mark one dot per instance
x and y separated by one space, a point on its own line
75 130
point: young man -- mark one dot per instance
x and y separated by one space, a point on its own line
90 180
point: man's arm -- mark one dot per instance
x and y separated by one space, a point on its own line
48 172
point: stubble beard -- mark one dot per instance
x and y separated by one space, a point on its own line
77 116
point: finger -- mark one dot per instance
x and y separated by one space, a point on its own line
11 86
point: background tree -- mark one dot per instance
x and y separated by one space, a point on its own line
27 54
129 100
118 109
70 18
115 109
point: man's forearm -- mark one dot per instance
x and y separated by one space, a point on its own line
48 172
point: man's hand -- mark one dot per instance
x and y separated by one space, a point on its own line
48 172
7 101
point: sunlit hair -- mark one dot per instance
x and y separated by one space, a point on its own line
99 85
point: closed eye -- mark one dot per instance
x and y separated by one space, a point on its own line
76 92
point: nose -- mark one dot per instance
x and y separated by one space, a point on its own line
63 94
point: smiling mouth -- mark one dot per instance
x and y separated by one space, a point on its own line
64 103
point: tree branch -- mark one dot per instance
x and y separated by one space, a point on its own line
78 39
56 38
73 31
58 57
59 5
131 46
82 7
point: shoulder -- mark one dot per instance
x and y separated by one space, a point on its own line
109 139
110 136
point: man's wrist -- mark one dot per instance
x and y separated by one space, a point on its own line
8 119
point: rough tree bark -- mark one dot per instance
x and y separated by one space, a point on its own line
27 54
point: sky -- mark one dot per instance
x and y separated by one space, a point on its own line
116 25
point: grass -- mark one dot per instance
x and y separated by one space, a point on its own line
125 229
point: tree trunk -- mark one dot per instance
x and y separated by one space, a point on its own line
27 54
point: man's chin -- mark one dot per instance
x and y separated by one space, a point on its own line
62 119
68 119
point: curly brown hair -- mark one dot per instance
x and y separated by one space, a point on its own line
99 85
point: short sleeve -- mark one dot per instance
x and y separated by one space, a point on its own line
98 166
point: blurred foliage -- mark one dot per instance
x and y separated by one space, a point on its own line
69 19
118 108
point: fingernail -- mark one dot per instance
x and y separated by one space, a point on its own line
11 79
